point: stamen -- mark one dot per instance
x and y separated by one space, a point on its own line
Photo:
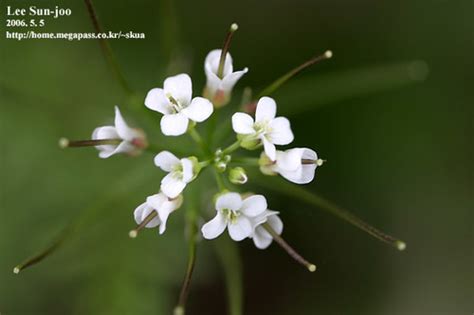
311 267
225 49
66 143
134 233
277 83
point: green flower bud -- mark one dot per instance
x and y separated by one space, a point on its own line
238 176
249 142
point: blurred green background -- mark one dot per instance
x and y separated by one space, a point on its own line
398 144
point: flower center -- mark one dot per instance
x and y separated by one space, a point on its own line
177 171
261 127
230 215
175 105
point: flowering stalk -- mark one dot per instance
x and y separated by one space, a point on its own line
192 228
277 83
108 53
45 253
311 267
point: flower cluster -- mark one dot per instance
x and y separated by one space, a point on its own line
244 215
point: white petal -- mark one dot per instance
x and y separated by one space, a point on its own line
188 173
180 87
230 200
164 214
231 79
309 154
290 160
199 110
166 161
240 229
261 238
303 175
281 133
174 124
266 109
105 132
156 100
214 228
212 62
275 222
141 212
242 123
213 83
124 131
254 205
269 148
156 201
171 186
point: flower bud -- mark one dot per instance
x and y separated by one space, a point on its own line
238 176
249 142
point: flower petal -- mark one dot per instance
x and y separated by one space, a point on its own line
269 148
174 124
188 173
214 228
199 110
289 160
230 200
166 161
254 205
180 87
213 59
242 123
275 222
141 212
261 238
266 109
124 131
231 79
171 186
240 229
156 100
105 132
281 133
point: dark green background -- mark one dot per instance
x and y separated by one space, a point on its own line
399 153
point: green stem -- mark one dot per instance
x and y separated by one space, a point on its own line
230 261
234 146
198 139
247 161
277 83
106 49
219 180
319 201
191 223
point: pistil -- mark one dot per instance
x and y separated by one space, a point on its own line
225 49
134 233
66 143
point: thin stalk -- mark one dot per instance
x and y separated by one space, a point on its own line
46 252
66 143
278 82
134 233
311 267
225 49
106 49
198 139
231 148
183 296
247 161
219 180
321 202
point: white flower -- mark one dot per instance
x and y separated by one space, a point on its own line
297 165
162 205
180 172
218 89
132 140
235 214
175 103
265 129
261 238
